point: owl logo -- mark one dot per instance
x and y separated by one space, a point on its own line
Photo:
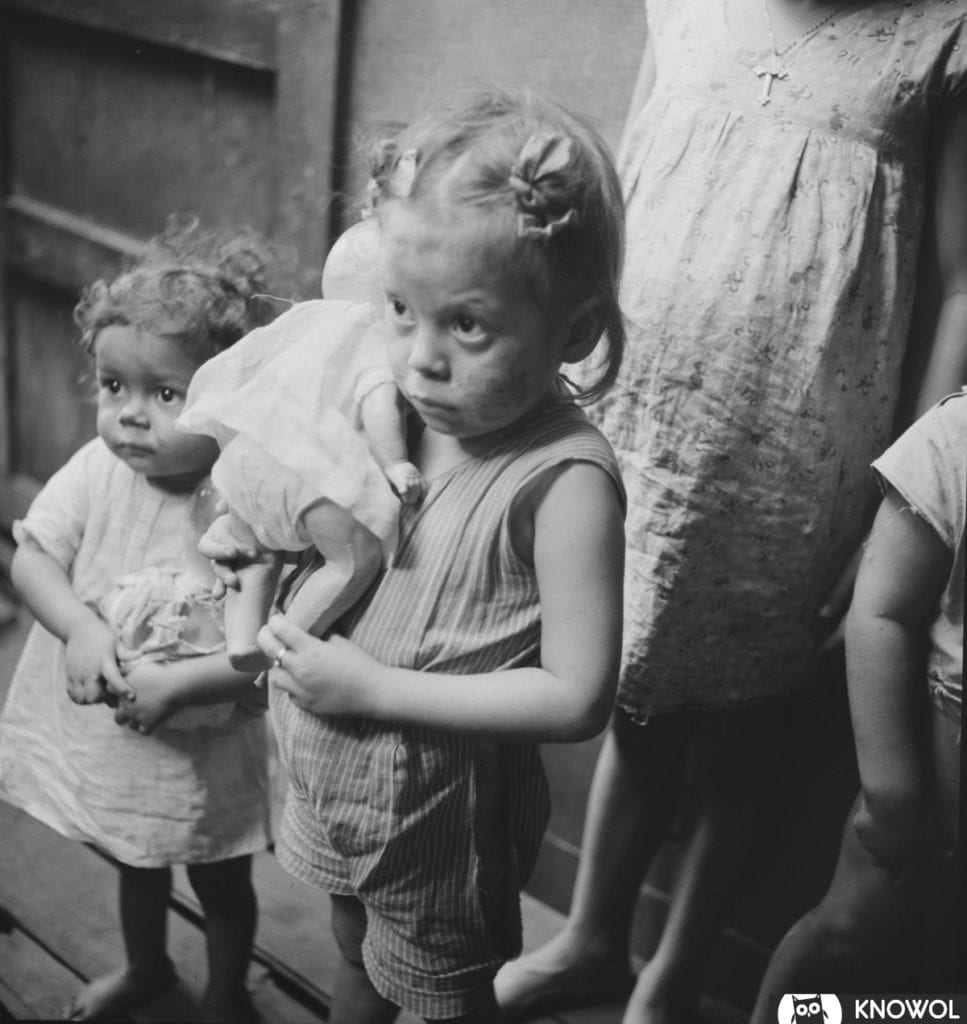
810 1009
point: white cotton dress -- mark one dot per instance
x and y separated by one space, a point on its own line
177 796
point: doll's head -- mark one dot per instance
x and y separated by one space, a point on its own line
148 330
351 269
538 185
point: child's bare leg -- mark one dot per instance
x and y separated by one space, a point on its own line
354 1000
247 609
873 931
739 757
633 798
227 898
144 926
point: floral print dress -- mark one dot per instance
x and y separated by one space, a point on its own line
768 286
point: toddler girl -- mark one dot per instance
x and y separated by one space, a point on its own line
417 796
876 929
308 420
149 795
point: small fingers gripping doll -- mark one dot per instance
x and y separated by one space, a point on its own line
313 452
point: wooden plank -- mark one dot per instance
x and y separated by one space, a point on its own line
239 32
60 248
34 985
308 41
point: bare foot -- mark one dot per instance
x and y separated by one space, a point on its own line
117 993
549 978
658 1001
237 1010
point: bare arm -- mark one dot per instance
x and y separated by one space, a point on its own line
578 554
938 340
936 362
90 644
162 689
901 576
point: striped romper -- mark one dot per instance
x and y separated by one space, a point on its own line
436 833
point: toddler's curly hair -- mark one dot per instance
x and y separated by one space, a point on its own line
202 287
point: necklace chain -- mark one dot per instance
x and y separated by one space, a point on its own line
773 67
799 40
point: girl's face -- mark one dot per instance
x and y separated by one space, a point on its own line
142 381
468 345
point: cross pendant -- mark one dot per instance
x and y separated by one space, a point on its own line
768 72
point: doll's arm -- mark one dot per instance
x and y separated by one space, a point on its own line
91 648
575 532
385 426
900 580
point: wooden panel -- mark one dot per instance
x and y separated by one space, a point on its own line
147 131
309 38
237 31
584 53
52 410
47 244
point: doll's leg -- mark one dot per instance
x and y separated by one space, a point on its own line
148 973
247 609
352 559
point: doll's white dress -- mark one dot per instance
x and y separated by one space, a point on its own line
284 406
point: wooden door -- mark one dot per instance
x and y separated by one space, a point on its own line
119 113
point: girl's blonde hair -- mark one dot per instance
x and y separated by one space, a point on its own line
548 179
200 287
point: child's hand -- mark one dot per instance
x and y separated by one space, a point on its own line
894 834
407 481
147 699
92 667
227 553
328 677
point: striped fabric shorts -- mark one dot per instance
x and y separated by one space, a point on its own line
414 823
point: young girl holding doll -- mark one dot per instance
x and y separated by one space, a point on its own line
790 168
417 796
879 928
156 781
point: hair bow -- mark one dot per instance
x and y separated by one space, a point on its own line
536 172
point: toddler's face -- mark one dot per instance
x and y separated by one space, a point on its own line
469 347
142 380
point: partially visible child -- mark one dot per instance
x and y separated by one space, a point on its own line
417 797
876 929
311 428
125 780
